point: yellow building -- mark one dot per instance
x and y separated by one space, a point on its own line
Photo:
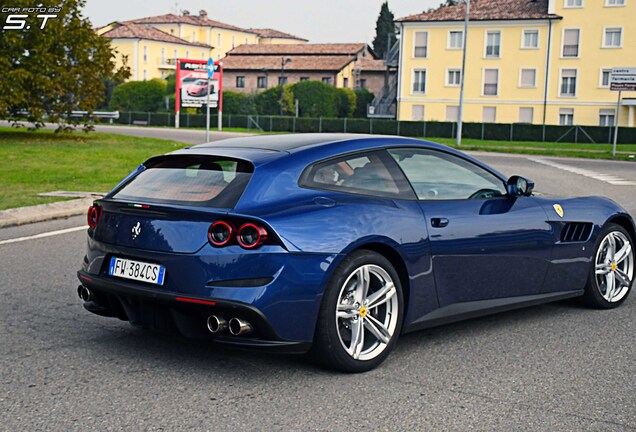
153 44
527 61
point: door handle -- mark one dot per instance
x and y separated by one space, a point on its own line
439 222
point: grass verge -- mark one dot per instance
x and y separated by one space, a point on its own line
42 161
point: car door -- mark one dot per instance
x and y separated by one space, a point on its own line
484 243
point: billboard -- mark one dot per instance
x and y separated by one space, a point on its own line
192 84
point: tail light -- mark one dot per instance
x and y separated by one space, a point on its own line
220 233
250 235
94 215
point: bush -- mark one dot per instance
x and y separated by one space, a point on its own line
142 96
363 98
239 103
316 99
346 102
269 101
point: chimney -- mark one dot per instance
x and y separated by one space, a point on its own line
185 12
203 14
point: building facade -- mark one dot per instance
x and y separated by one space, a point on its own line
527 61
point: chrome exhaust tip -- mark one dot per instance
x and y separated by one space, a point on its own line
239 327
84 293
216 324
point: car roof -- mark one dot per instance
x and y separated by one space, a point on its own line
280 142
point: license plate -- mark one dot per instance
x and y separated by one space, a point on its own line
136 270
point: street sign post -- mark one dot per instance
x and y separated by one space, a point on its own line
621 79
207 104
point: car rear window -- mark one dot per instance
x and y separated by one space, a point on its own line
189 180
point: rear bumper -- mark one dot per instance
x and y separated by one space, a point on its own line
170 311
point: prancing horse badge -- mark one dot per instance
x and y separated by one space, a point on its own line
558 209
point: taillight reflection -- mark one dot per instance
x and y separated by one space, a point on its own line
94 215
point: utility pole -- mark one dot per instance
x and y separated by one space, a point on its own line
463 78
283 62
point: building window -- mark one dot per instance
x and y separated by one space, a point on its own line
282 80
455 39
163 56
454 77
421 45
187 54
605 78
571 43
573 3
613 37
417 113
219 39
261 82
491 82
526 114
566 116
528 78
452 113
194 36
530 39
171 31
327 80
247 41
233 41
493 43
361 84
614 2
240 82
145 54
489 114
419 81
145 75
304 79
176 56
568 82
345 82
606 117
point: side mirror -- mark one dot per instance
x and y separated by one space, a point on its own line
519 186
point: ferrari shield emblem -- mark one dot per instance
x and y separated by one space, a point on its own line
558 209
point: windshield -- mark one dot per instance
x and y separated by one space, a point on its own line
189 180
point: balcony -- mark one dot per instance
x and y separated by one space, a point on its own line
167 63
570 50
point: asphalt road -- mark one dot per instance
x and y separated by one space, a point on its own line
557 367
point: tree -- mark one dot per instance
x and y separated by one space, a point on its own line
316 99
141 96
269 101
363 99
51 71
384 30
346 102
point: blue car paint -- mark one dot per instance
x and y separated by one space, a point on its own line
494 248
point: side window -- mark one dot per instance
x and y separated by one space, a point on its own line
436 175
360 173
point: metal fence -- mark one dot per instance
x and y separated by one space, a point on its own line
431 129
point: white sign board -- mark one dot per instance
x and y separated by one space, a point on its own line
623 79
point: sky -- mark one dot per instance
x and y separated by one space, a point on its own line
320 21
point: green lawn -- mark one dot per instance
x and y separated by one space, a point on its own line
42 161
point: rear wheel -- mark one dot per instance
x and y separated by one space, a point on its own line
361 314
612 273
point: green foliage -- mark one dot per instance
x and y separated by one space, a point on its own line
316 99
52 71
171 85
363 98
346 102
143 96
383 27
269 101
239 103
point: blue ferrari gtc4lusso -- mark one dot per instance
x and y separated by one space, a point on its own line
337 244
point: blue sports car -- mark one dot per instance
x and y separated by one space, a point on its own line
337 244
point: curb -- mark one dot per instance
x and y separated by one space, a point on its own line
44 212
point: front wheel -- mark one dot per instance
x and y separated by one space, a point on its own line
361 314
612 273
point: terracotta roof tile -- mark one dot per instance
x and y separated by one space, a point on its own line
271 33
487 10
371 65
299 49
138 31
297 63
197 20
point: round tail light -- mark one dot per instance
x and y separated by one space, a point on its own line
220 233
251 235
94 214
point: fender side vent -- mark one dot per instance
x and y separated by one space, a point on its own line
573 232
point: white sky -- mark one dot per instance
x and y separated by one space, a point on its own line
316 20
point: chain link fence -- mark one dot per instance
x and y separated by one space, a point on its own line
431 129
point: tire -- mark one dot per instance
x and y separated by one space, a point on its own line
612 269
359 324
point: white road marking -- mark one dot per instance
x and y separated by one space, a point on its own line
607 178
46 234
